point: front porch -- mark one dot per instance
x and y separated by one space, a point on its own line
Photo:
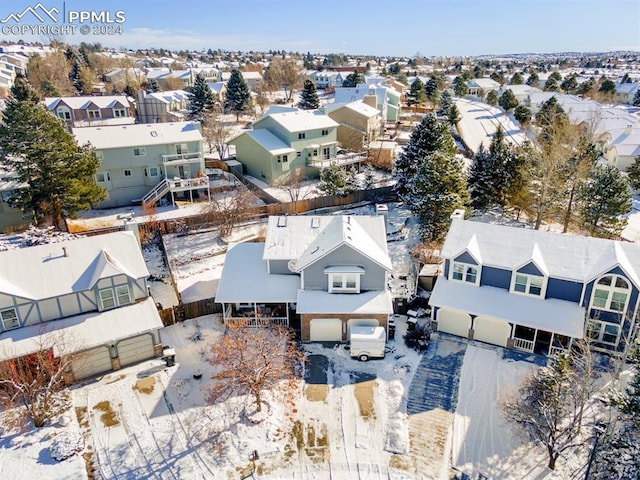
254 314
531 340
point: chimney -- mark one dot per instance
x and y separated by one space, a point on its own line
64 251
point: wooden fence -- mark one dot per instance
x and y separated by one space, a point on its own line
186 311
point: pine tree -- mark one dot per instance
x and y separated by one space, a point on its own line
36 146
238 97
445 102
435 191
480 180
152 86
427 137
352 80
636 98
201 100
633 173
522 114
309 97
604 200
453 114
508 100
460 88
417 95
492 98
369 181
517 79
533 80
432 90
334 181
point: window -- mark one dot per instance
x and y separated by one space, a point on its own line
64 113
151 172
98 155
119 112
94 114
528 284
326 153
611 293
102 177
139 151
464 272
106 298
127 172
182 148
9 319
298 154
302 135
344 283
604 332
110 298
325 132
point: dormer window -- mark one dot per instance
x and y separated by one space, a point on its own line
464 272
527 284
611 293
9 319
344 279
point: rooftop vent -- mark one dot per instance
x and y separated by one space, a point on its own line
282 221
315 222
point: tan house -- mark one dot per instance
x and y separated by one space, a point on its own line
359 124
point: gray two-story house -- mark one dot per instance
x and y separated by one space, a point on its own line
329 273
144 162
536 291
88 111
286 138
86 297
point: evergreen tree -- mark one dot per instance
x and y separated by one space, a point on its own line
427 137
334 181
309 97
533 80
460 88
431 90
551 85
352 80
522 114
492 98
633 172
608 87
604 200
238 97
369 181
569 84
508 100
417 94
517 79
636 98
36 146
201 100
437 189
480 180
497 77
454 115
445 102
152 86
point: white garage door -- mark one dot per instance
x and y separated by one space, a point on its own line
491 330
361 322
325 330
451 321
135 349
91 362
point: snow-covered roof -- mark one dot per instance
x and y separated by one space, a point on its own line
319 301
626 140
169 96
57 269
81 332
86 102
104 122
358 106
565 256
552 315
138 135
269 141
308 238
353 231
245 278
302 120
483 83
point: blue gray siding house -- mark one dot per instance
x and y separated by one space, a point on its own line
536 291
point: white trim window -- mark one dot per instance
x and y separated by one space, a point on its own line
604 332
464 272
611 293
151 172
102 177
525 284
128 172
111 298
9 318
119 113
94 114
64 113
182 149
139 151
344 279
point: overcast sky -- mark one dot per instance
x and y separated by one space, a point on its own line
373 27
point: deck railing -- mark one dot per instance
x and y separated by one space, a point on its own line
522 344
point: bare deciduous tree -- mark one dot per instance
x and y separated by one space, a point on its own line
293 185
552 403
231 208
251 360
216 132
285 74
34 381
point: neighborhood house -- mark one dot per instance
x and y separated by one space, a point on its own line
323 273
536 291
90 291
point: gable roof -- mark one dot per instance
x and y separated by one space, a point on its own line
46 271
268 141
358 107
103 138
563 256
301 120
83 103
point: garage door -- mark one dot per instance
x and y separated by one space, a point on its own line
361 322
325 330
491 330
91 362
454 322
135 349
